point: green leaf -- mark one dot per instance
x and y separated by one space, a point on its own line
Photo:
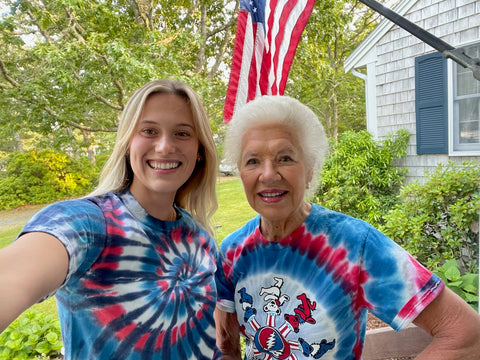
52 337
452 273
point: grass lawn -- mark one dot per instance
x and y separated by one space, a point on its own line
233 208
7 236
233 212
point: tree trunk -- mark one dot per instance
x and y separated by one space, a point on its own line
18 142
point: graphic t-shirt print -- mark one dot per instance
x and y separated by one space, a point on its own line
276 337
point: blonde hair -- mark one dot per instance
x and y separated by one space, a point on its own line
197 195
281 110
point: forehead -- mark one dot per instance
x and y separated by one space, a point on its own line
163 105
269 137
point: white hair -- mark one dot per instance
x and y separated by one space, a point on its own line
281 110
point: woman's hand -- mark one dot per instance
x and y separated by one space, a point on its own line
228 334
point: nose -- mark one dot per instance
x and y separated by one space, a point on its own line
164 144
269 172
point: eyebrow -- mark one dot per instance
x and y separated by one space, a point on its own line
146 121
288 149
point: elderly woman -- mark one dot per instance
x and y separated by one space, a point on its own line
299 279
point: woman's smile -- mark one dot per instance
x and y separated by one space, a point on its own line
271 196
163 165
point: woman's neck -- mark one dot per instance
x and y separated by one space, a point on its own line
160 206
276 230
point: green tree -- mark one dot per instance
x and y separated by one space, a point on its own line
317 76
68 66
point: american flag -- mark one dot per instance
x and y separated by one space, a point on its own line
268 32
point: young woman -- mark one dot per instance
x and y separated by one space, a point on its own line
132 265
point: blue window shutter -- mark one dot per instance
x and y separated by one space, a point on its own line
431 104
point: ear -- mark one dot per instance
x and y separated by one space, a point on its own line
309 176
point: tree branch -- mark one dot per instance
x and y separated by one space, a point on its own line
76 125
143 12
10 80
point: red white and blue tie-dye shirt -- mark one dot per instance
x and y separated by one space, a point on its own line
307 295
137 287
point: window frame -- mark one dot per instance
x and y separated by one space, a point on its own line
455 149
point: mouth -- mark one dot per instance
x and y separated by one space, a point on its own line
272 195
163 165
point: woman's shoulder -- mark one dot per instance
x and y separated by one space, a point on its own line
242 233
321 211
70 207
330 219
79 213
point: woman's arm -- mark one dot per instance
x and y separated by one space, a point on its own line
31 268
455 328
228 334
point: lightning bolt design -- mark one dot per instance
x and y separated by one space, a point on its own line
271 341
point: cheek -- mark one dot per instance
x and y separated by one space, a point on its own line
245 175
192 149
136 144
247 181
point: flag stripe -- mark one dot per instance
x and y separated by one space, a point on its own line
301 22
279 46
238 54
256 58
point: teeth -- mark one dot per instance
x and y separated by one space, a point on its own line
164 166
271 194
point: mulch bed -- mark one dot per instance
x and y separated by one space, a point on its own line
374 323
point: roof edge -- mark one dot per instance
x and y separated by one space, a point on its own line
354 59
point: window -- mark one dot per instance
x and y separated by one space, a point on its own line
465 123
447 106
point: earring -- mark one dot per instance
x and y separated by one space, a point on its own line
308 185
199 157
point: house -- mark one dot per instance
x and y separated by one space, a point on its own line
409 85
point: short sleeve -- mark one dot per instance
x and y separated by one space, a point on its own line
79 225
398 287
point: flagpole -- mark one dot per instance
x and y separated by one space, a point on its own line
458 55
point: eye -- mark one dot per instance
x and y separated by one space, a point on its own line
285 158
251 161
148 131
183 133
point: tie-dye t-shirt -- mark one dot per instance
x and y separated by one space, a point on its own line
307 295
137 287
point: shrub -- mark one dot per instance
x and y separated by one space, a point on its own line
33 335
39 177
438 220
360 177
466 286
